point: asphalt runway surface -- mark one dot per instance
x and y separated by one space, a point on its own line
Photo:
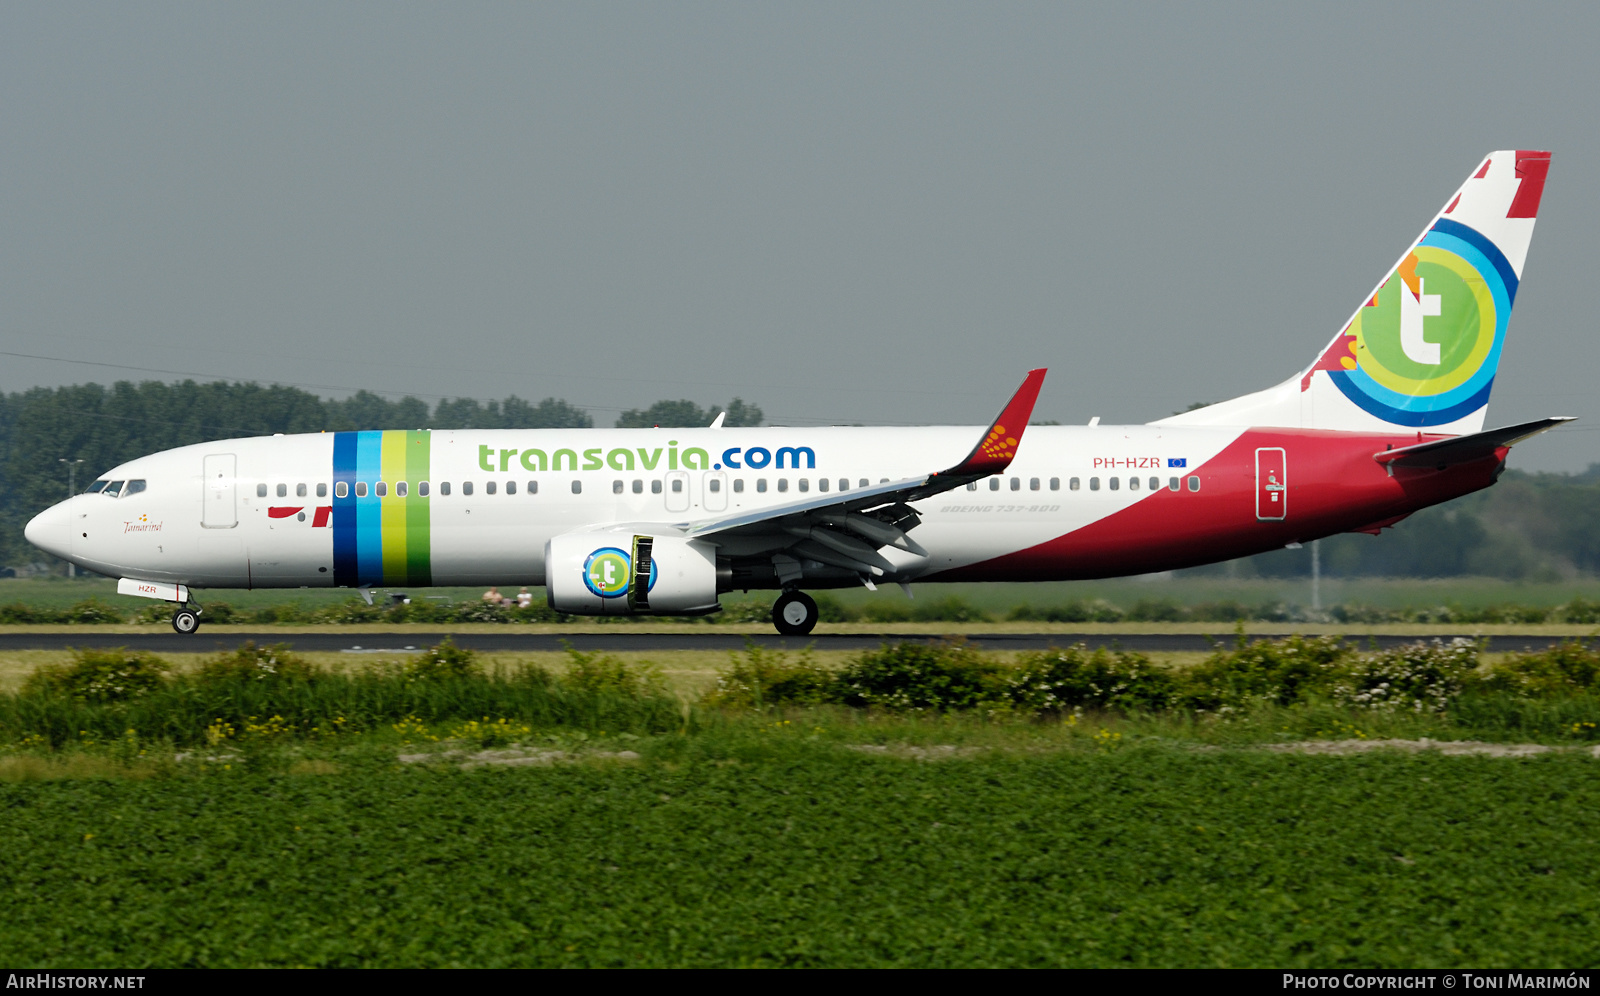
622 640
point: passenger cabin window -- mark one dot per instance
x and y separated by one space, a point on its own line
134 487
738 485
299 490
322 491
863 483
616 487
1033 484
972 485
822 484
511 487
1016 484
533 487
444 488
1094 484
399 489
422 489
1055 484
677 486
994 484
761 484
844 484
1155 484
783 484
489 488
361 489
261 489
577 487
1133 484
381 489
466 487
1173 484
714 485
1072 485
341 490
1115 482
97 487
283 491
638 487
1194 484
655 487
805 485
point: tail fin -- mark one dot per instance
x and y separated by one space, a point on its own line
1423 348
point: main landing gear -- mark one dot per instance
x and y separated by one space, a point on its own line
187 619
795 613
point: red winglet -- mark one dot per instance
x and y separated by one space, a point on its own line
995 450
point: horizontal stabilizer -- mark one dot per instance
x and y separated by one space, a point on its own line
1441 453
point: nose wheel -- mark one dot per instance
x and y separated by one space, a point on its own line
795 613
186 620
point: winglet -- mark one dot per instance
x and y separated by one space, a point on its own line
995 450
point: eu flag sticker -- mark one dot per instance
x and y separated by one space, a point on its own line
1177 462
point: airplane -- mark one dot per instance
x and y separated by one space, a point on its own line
1388 419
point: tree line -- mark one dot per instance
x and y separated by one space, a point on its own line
104 426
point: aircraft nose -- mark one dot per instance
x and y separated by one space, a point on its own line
50 530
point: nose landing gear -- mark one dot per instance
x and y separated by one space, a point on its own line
186 620
795 613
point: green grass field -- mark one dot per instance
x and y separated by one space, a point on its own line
262 809
751 847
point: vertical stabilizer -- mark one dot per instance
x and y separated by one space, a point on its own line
1423 348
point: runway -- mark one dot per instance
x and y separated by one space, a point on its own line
623 641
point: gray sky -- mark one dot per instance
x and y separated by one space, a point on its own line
843 212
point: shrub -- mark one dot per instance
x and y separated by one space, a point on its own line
113 675
1220 612
1579 611
746 611
1097 610
1154 610
253 664
937 676
1418 677
92 611
442 662
1278 671
830 609
19 614
951 608
600 672
1564 669
1056 679
883 610
762 677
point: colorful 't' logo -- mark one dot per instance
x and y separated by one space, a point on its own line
1425 349
606 572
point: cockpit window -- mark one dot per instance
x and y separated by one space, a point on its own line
96 486
133 488
113 489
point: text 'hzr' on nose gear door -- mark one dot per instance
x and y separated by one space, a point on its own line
1272 483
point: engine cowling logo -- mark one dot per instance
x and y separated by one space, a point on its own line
606 572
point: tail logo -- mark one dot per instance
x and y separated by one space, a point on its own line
1425 349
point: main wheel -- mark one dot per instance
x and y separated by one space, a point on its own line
185 621
795 613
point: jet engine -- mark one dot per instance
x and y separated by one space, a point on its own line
607 572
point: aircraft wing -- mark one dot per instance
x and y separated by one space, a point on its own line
1442 453
846 529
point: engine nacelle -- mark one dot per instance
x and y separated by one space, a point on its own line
608 572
